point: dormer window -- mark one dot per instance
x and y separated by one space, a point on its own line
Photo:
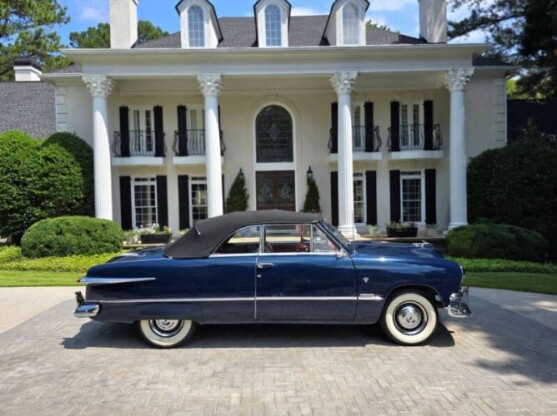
346 25
199 25
272 18
196 27
351 24
273 29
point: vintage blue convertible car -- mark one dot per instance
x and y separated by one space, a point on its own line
274 267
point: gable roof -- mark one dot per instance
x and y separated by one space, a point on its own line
240 32
28 106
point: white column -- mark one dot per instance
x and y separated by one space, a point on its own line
210 86
100 88
343 83
456 80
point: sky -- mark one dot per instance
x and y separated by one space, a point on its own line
399 15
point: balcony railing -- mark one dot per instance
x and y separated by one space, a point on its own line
364 139
415 137
192 143
138 143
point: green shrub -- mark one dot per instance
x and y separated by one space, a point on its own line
504 266
517 185
66 236
18 169
238 196
497 241
82 155
311 203
70 264
10 253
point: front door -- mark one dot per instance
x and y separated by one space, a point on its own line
276 190
142 135
301 277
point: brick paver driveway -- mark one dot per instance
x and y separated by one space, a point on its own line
497 362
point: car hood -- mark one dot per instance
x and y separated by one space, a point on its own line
421 250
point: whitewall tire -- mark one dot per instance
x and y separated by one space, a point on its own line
166 333
409 318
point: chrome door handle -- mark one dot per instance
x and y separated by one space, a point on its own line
263 266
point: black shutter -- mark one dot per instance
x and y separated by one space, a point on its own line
370 128
334 198
182 131
124 132
395 195
159 132
334 127
395 126
162 201
184 201
430 196
428 125
371 197
126 202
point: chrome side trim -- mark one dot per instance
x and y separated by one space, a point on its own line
370 297
245 299
95 281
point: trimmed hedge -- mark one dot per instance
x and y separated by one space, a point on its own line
10 253
504 266
70 264
66 236
497 241
82 156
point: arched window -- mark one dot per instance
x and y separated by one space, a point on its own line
351 24
196 27
274 135
273 26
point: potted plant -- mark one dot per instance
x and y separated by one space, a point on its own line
155 235
373 231
399 229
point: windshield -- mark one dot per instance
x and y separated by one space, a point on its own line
337 234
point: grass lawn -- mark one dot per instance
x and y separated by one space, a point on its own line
32 278
524 282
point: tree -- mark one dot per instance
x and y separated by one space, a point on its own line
99 36
238 196
522 32
311 203
26 28
517 185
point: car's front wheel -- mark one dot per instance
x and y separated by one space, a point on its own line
409 318
166 333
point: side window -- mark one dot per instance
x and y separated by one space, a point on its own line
244 241
299 238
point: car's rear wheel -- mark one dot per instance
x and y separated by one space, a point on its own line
166 333
409 318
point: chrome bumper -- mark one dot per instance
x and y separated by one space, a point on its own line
85 310
458 304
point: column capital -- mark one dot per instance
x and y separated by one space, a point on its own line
343 82
100 86
456 79
210 84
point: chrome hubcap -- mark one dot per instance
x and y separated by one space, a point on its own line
166 327
410 318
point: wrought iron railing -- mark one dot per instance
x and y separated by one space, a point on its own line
415 137
142 143
359 135
192 143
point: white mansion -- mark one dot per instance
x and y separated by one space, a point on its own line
386 122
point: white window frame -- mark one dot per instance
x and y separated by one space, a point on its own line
354 6
203 19
413 174
361 177
142 127
278 9
144 181
195 180
262 22
410 106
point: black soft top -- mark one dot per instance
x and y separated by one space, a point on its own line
206 235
